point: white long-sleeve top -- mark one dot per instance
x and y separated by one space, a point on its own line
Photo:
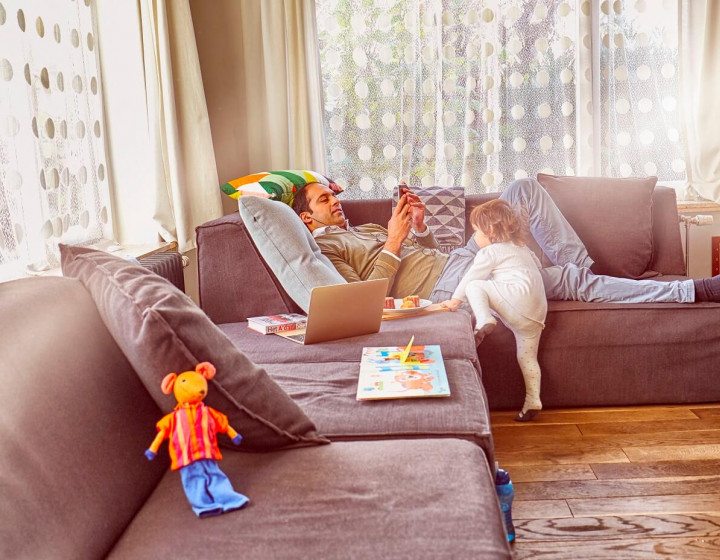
514 270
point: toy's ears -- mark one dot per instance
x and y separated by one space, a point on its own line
206 369
168 382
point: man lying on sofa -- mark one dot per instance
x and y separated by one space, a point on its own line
406 252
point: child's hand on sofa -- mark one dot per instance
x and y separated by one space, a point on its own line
237 439
149 454
451 304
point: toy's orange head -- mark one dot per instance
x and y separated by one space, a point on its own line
189 386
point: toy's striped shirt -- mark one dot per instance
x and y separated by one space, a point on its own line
190 430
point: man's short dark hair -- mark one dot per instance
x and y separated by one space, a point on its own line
301 203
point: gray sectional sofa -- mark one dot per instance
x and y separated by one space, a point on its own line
328 477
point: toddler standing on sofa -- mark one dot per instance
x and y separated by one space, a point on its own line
504 280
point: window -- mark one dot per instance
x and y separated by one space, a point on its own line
53 176
638 90
479 93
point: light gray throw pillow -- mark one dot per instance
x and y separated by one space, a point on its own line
288 248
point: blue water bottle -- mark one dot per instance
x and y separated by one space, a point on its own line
505 493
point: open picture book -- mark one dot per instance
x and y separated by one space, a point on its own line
395 372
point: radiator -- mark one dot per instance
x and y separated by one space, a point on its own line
167 264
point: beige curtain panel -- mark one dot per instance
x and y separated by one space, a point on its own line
282 86
180 140
261 71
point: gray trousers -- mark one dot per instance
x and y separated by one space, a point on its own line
570 278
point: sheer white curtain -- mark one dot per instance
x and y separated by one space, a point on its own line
164 176
447 92
481 92
638 90
53 169
700 68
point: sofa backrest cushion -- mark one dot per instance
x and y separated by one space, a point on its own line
668 255
161 330
226 255
613 217
74 422
368 211
288 247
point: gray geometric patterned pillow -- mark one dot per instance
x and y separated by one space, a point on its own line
444 214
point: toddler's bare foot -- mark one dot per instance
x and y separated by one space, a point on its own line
482 332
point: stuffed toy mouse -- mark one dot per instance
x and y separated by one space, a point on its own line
191 429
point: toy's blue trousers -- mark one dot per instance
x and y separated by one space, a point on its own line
208 490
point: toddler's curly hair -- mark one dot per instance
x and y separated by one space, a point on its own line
500 222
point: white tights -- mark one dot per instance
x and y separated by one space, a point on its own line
484 298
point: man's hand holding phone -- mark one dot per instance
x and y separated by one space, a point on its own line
417 208
398 226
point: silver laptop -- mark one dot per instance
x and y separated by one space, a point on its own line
342 311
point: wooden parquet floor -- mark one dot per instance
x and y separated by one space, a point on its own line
621 483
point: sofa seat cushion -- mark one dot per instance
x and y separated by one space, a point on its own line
160 330
622 354
452 331
326 391
420 499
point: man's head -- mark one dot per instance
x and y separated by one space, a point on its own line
317 206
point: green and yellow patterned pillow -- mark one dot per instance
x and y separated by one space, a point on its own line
275 185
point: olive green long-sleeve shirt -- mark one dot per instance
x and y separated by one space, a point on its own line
358 254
